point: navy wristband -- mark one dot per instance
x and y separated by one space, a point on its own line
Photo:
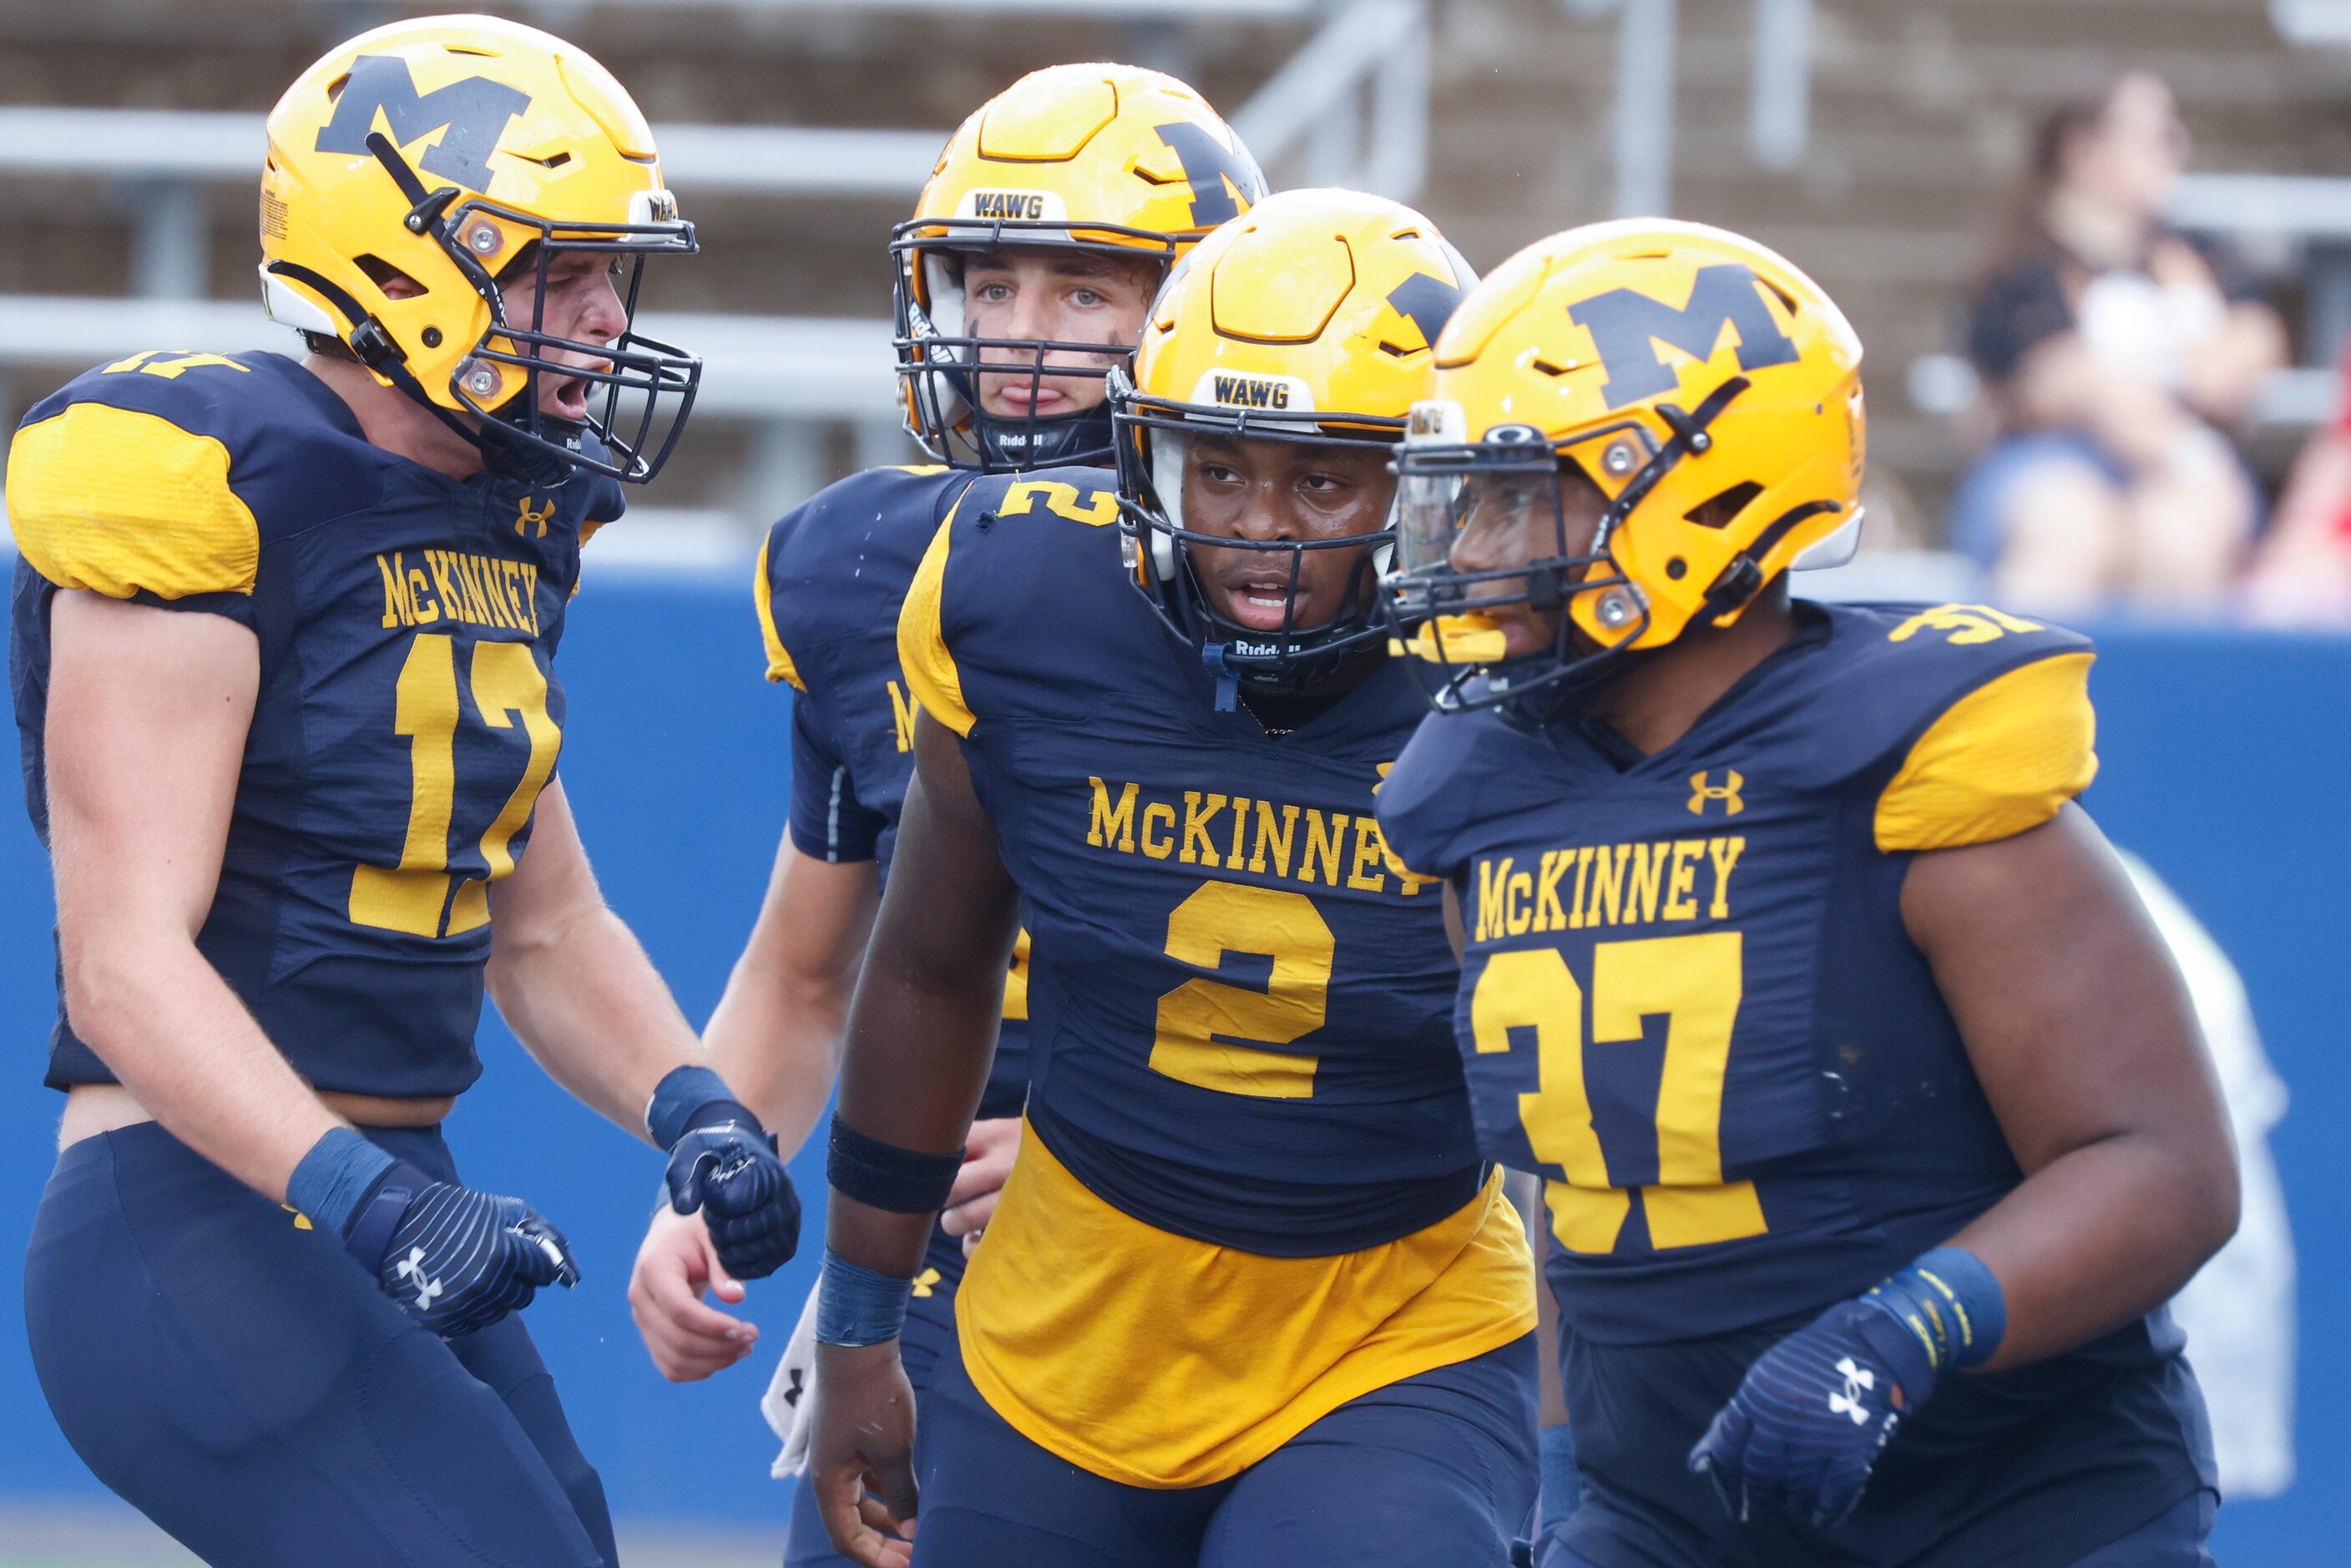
334 1180
856 1306
679 1098
885 1176
1951 1303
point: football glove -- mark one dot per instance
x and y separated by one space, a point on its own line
729 1170
456 1261
1812 1413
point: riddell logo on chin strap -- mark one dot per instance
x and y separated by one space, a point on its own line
1726 792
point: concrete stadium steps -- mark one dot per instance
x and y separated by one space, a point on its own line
1921 112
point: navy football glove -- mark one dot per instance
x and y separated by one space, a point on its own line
457 1260
1813 1411
722 1162
730 1172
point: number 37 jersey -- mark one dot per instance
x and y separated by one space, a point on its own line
1688 999
407 715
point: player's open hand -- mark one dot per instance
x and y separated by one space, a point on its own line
862 1452
1809 1419
988 1157
676 1265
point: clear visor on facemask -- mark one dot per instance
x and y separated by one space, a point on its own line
1473 522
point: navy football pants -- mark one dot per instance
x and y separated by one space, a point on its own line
2174 1540
243 1383
1436 1469
2109 1476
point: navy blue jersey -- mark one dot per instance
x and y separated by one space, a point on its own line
1238 1014
408 713
832 576
1689 998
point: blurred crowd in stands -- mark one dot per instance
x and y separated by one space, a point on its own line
2119 358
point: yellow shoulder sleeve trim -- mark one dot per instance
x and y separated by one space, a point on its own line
114 501
2000 759
931 672
779 662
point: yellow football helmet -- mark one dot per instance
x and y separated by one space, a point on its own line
1723 456
1313 319
453 152
1105 158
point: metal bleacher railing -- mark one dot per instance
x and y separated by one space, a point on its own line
1349 106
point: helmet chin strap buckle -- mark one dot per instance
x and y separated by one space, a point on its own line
376 348
1212 655
1735 588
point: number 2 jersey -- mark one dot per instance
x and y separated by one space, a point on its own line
1251 1190
832 576
1688 999
407 717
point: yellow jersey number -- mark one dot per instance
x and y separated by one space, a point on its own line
1696 982
1200 1020
508 684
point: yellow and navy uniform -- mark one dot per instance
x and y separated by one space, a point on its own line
1688 1000
408 713
1251 1192
832 576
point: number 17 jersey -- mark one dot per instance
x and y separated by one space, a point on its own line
407 715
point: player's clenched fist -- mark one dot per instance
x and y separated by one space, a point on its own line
723 1163
455 1260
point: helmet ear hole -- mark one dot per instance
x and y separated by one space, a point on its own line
1718 511
389 281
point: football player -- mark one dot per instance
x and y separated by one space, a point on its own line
1048 224
1250 1296
1876 1123
282 646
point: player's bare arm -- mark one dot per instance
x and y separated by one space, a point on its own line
2081 1032
138 694
920 1035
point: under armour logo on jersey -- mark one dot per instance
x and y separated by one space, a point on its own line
1727 792
412 1268
1858 1381
1966 623
527 517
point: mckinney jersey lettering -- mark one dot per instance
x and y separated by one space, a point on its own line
1688 999
408 718
1246 837
1239 1003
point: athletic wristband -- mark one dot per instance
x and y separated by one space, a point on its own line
1951 1303
857 1307
900 1181
681 1098
335 1179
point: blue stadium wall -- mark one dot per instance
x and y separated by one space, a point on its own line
2227 764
